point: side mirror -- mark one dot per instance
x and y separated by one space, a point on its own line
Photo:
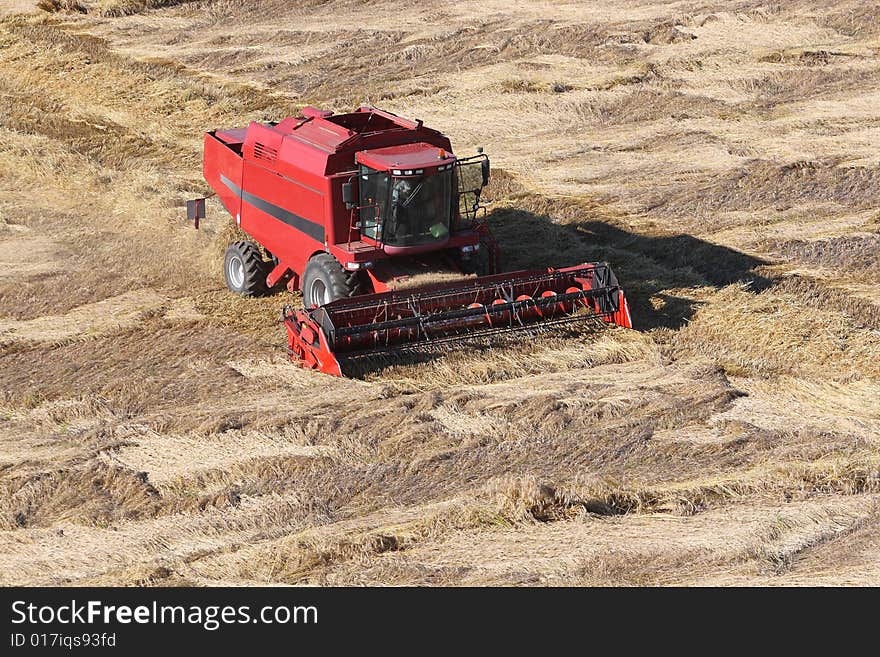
348 195
485 166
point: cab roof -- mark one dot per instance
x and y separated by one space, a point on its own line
406 157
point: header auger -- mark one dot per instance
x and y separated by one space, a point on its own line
352 209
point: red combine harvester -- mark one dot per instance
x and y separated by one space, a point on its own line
354 210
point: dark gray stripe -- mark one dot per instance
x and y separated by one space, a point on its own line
310 228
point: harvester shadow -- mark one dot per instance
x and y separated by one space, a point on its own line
654 271
650 269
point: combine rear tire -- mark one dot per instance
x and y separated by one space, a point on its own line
245 270
324 280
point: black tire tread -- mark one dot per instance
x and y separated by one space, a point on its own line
480 263
255 268
353 282
342 284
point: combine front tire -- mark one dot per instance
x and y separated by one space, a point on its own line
324 280
482 262
245 270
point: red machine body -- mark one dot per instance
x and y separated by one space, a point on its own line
292 185
283 184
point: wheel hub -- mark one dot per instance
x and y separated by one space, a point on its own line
236 271
319 292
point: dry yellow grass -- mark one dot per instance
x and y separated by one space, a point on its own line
722 156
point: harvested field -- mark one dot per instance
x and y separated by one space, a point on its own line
724 157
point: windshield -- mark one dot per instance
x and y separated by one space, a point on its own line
419 209
405 211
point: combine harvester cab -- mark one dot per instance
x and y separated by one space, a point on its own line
352 208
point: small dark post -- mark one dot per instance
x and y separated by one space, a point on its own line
195 210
